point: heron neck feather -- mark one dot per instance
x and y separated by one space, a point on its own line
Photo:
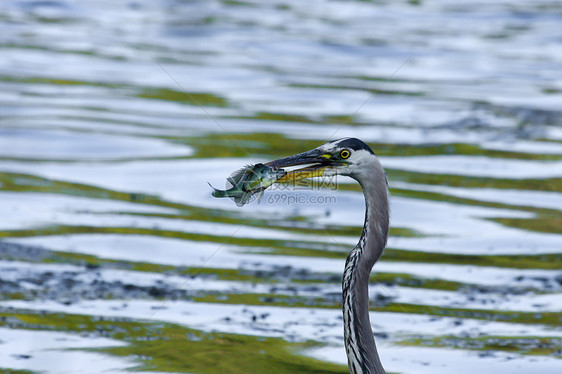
360 344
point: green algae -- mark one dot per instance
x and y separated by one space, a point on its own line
373 91
304 249
271 146
191 98
14 371
241 275
12 296
516 317
94 261
408 280
401 279
166 347
527 345
257 276
266 300
541 261
545 220
545 318
451 180
223 353
56 81
221 240
264 145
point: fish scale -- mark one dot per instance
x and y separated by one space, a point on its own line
249 181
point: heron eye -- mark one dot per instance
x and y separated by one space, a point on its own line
345 153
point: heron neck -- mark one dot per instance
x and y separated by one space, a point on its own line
359 341
377 216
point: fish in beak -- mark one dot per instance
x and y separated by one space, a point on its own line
256 178
313 163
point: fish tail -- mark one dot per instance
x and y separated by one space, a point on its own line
243 198
216 192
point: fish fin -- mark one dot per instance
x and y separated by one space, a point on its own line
238 175
260 196
245 198
242 199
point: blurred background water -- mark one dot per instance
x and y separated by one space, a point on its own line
115 115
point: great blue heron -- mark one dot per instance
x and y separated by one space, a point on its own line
352 157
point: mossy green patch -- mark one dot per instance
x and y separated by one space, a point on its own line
542 261
544 222
191 98
266 145
94 261
243 243
527 345
223 353
174 348
268 116
56 81
14 371
271 146
257 276
546 318
547 184
408 280
12 296
305 249
238 3
374 91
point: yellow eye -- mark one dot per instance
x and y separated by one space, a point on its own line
345 153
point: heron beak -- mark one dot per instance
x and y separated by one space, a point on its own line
314 163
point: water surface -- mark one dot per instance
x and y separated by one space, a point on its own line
114 116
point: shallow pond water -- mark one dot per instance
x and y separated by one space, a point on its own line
114 116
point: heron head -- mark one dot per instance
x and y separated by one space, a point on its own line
347 156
